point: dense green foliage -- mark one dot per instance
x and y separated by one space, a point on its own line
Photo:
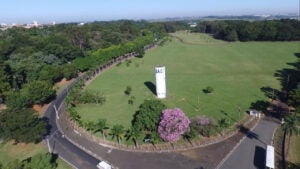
21 125
38 92
148 115
54 52
39 161
34 92
274 30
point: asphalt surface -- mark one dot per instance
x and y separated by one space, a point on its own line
60 145
251 153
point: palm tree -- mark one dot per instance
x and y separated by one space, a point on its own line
118 132
290 127
134 134
101 126
90 126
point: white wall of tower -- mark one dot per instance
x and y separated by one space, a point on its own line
160 76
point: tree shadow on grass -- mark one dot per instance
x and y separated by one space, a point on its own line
151 87
276 109
260 105
271 93
289 77
259 157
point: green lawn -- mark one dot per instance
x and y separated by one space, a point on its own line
197 38
236 71
10 152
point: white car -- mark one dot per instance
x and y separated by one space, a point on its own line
103 165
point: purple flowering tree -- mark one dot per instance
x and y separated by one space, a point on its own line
173 123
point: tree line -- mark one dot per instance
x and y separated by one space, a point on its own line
239 30
32 60
61 51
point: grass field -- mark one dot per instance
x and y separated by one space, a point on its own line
10 152
197 38
236 71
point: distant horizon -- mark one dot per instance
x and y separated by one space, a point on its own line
149 19
66 11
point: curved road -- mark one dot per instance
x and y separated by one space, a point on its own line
251 152
61 146
242 157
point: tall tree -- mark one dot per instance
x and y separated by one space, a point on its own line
290 126
78 37
294 98
38 92
16 100
4 81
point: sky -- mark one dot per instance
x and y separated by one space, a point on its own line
25 11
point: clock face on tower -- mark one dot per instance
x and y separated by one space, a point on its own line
158 70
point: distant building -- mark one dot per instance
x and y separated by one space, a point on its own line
81 24
34 24
192 24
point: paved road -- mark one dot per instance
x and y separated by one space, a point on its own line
250 154
61 146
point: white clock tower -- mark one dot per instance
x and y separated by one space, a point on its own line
160 76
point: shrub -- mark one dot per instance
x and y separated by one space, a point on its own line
208 89
131 100
128 90
88 96
148 116
204 126
128 62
